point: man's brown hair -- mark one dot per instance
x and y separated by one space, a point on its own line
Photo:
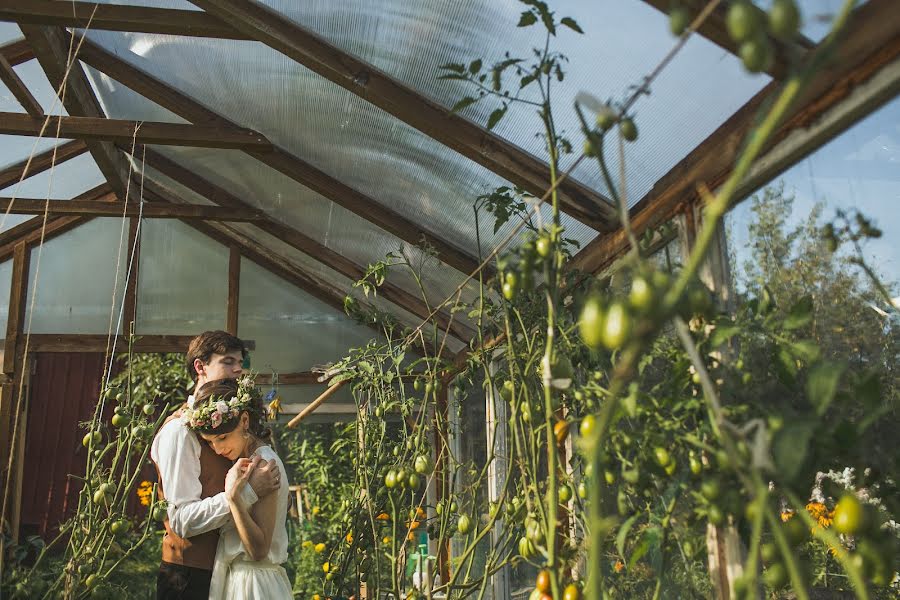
212 342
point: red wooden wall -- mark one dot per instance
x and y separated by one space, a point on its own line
64 392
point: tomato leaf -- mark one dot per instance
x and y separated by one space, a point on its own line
527 19
790 447
822 383
723 334
462 104
495 118
475 66
622 536
571 24
806 350
800 314
455 67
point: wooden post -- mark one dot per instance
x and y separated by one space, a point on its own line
131 287
13 422
234 290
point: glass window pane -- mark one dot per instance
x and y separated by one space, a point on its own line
5 284
77 280
183 282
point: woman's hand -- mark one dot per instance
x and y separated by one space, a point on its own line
237 478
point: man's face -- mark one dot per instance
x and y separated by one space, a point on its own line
220 366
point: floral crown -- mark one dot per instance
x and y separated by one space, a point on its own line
212 412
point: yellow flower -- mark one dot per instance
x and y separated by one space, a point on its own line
320 548
618 566
145 492
820 513
349 538
787 515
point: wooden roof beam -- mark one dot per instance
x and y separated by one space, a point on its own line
141 19
280 160
298 241
51 48
98 208
18 88
870 43
715 30
144 132
16 52
102 192
389 94
40 162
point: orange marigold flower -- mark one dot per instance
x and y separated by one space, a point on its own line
145 492
619 566
787 515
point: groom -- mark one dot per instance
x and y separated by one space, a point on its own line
192 479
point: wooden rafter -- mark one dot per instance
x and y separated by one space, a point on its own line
51 48
101 192
296 239
146 132
281 160
142 19
80 342
389 94
41 162
23 206
251 20
18 88
232 306
16 52
714 30
871 41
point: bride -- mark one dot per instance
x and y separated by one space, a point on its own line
230 416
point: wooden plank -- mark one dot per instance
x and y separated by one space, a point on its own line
301 242
80 342
715 30
18 293
129 303
142 19
17 52
234 290
307 175
40 162
870 43
51 48
100 193
146 132
18 88
377 87
98 208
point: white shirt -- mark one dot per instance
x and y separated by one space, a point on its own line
176 452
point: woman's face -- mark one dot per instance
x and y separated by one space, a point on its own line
232 445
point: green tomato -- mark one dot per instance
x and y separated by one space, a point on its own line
159 513
94 436
148 409
590 324
464 525
417 384
715 515
662 456
526 547
742 21
775 576
784 18
422 465
588 427
390 480
565 493
616 326
849 515
710 489
543 247
628 129
606 118
120 420
756 54
679 19
641 297
413 481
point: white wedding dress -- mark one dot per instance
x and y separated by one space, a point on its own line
235 575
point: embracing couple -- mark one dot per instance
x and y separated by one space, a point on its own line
226 489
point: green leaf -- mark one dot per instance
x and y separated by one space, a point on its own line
462 104
868 390
622 536
723 334
800 314
571 24
496 116
649 538
806 350
790 447
456 67
822 383
475 66
527 19
527 80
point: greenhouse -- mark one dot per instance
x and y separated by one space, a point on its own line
494 299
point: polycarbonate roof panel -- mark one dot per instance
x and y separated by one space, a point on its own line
623 42
325 125
9 32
